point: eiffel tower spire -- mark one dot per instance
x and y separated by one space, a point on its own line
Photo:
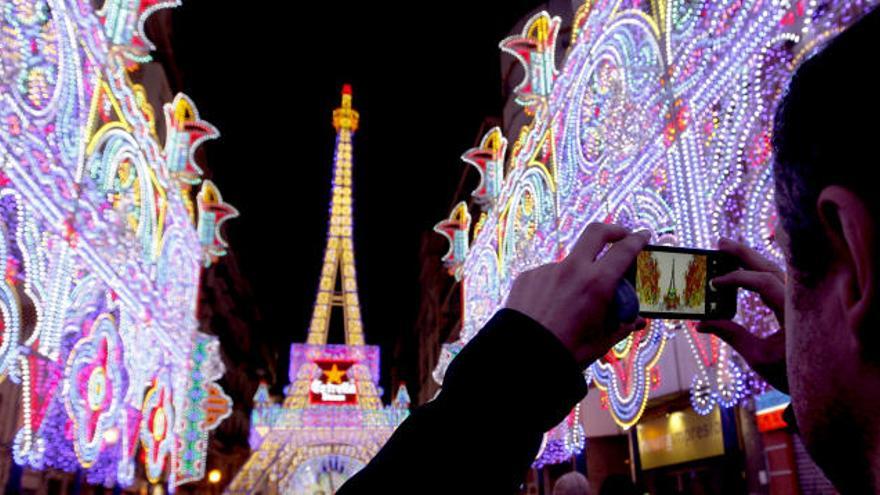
339 253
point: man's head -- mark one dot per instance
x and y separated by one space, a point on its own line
827 144
573 483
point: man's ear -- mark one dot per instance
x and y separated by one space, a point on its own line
852 233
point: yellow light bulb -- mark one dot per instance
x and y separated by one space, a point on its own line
214 476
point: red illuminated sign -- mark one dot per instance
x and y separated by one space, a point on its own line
333 386
771 420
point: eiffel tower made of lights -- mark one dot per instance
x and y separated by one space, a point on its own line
339 253
332 421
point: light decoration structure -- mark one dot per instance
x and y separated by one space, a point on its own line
456 230
563 441
102 246
660 117
332 421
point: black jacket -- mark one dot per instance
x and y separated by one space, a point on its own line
509 385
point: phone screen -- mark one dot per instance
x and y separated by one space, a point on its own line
674 283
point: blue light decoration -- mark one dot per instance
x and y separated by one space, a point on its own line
660 117
488 159
102 243
93 388
456 229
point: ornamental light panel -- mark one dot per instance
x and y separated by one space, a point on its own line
332 421
659 117
104 231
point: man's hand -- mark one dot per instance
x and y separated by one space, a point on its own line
572 298
766 356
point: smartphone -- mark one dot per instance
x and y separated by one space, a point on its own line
673 283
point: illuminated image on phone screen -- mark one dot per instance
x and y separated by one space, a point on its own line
669 282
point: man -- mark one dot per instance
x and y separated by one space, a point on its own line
572 483
828 210
522 373
519 377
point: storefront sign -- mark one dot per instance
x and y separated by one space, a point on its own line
679 437
769 410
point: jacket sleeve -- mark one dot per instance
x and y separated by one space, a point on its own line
511 383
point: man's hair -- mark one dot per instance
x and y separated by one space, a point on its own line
827 133
572 483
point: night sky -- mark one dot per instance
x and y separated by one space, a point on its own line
424 76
